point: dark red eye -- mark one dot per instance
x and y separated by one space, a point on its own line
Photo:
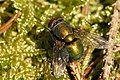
54 21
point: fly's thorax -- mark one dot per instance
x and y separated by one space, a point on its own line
75 49
63 31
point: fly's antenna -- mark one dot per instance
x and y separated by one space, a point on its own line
39 21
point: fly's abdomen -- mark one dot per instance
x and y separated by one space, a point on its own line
75 50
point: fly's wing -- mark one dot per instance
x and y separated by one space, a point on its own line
91 39
60 59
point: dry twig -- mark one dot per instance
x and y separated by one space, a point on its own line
109 58
9 23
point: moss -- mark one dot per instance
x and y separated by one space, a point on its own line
23 55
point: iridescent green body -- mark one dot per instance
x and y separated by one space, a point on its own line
64 33
67 44
75 50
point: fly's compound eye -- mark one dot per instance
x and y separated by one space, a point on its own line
53 22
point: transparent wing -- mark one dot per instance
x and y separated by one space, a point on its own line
91 39
60 59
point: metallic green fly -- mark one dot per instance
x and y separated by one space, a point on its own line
68 44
